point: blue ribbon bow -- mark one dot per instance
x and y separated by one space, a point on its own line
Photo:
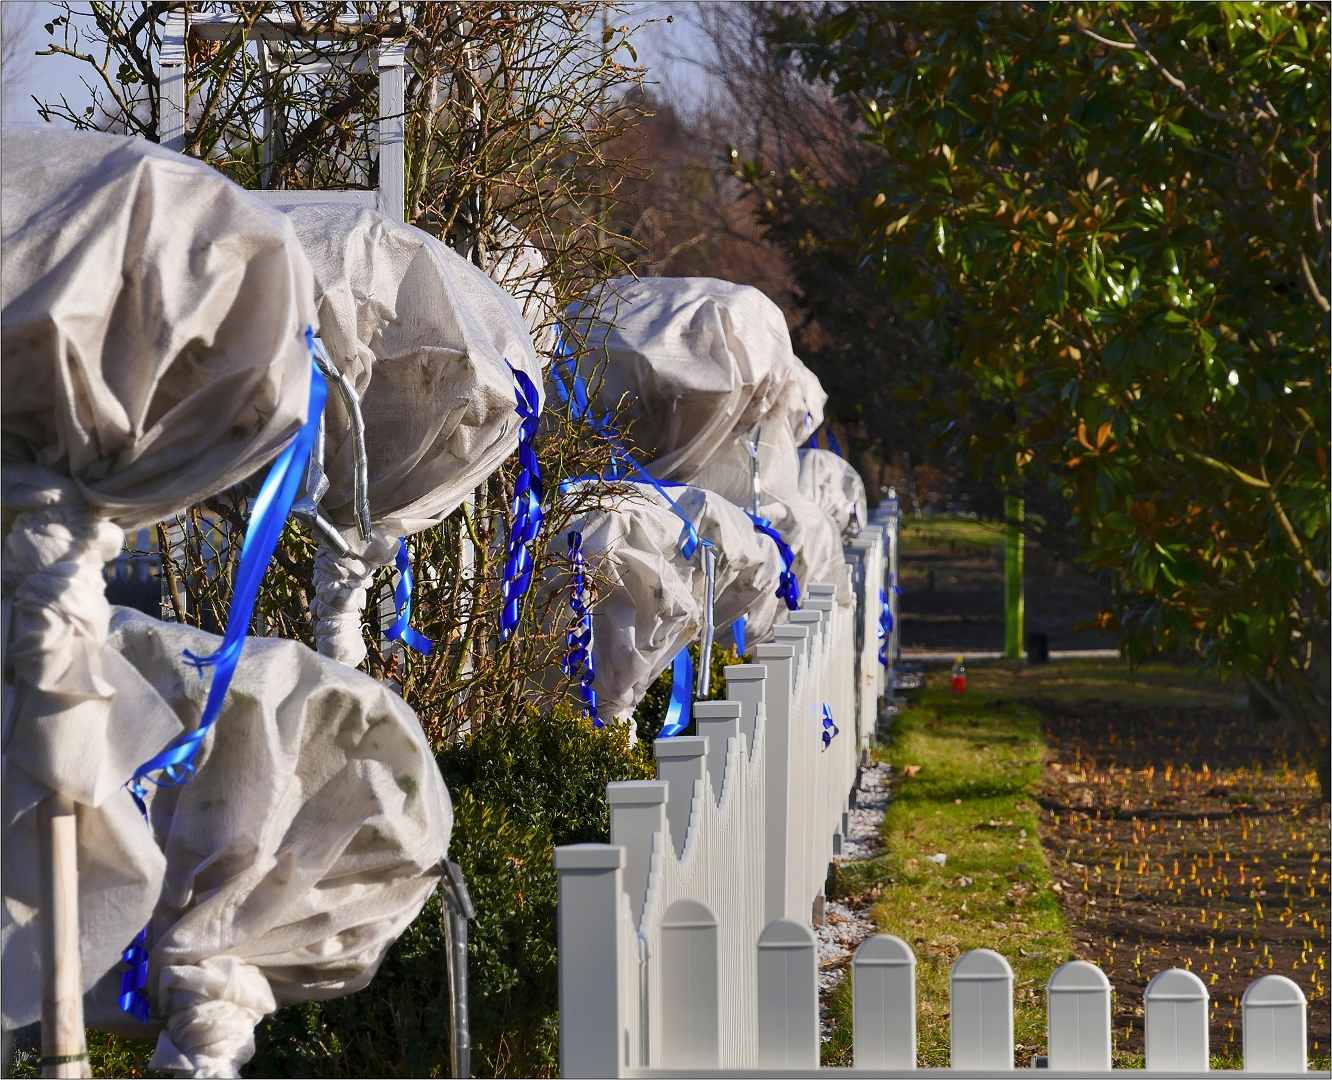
579 636
175 764
738 634
401 629
682 695
528 490
830 730
885 627
788 587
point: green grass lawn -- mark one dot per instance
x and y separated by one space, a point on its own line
934 533
966 773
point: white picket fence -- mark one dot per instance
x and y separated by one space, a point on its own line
685 943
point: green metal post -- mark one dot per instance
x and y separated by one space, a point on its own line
1013 578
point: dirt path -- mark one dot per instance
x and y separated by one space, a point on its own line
1188 837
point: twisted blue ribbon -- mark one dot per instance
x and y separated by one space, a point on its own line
788 588
402 600
885 627
175 764
528 490
830 730
738 634
682 695
133 998
579 636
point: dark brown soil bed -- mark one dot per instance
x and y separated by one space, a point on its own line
1188 837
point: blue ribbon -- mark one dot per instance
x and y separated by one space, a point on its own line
175 764
738 633
830 730
528 490
576 397
402 599
579 636
788 588
885 627
833 445
133 999
682 691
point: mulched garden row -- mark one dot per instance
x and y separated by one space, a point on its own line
1188 837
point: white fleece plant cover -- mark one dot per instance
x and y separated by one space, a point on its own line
423 335
153 346
651 599
830 482
309 839
696 360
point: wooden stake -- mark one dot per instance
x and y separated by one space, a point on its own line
64 1048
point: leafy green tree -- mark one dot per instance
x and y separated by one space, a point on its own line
1113 217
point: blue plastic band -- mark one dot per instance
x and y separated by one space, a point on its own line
133 998
885 627
788 588
830 730
175 764
682 695
577 662
575 395
528 490
833 444
402 599
738 633
267 519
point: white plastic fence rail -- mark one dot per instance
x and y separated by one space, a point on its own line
883 982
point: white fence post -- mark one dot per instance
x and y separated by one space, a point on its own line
593 1041
1275 1026
171 80
1175 1016
1078 1017
778 662
392 131
981 986
690 987
637 810
788 997
681 761
718 722
883 998
747 684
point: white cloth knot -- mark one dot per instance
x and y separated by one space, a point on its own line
340 583
212 1008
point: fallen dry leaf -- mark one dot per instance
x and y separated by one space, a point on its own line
910 770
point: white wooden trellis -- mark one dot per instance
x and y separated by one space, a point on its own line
388 58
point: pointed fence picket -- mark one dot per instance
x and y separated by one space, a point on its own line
685 943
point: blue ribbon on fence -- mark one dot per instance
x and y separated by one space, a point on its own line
885 627
175 764
682 695
738 634
579 636
788 588
830 730
401 629
528 490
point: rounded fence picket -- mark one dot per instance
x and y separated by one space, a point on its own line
788 997
883 989
1078 1017
690 987
981 985
1175 1012
1275 1026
